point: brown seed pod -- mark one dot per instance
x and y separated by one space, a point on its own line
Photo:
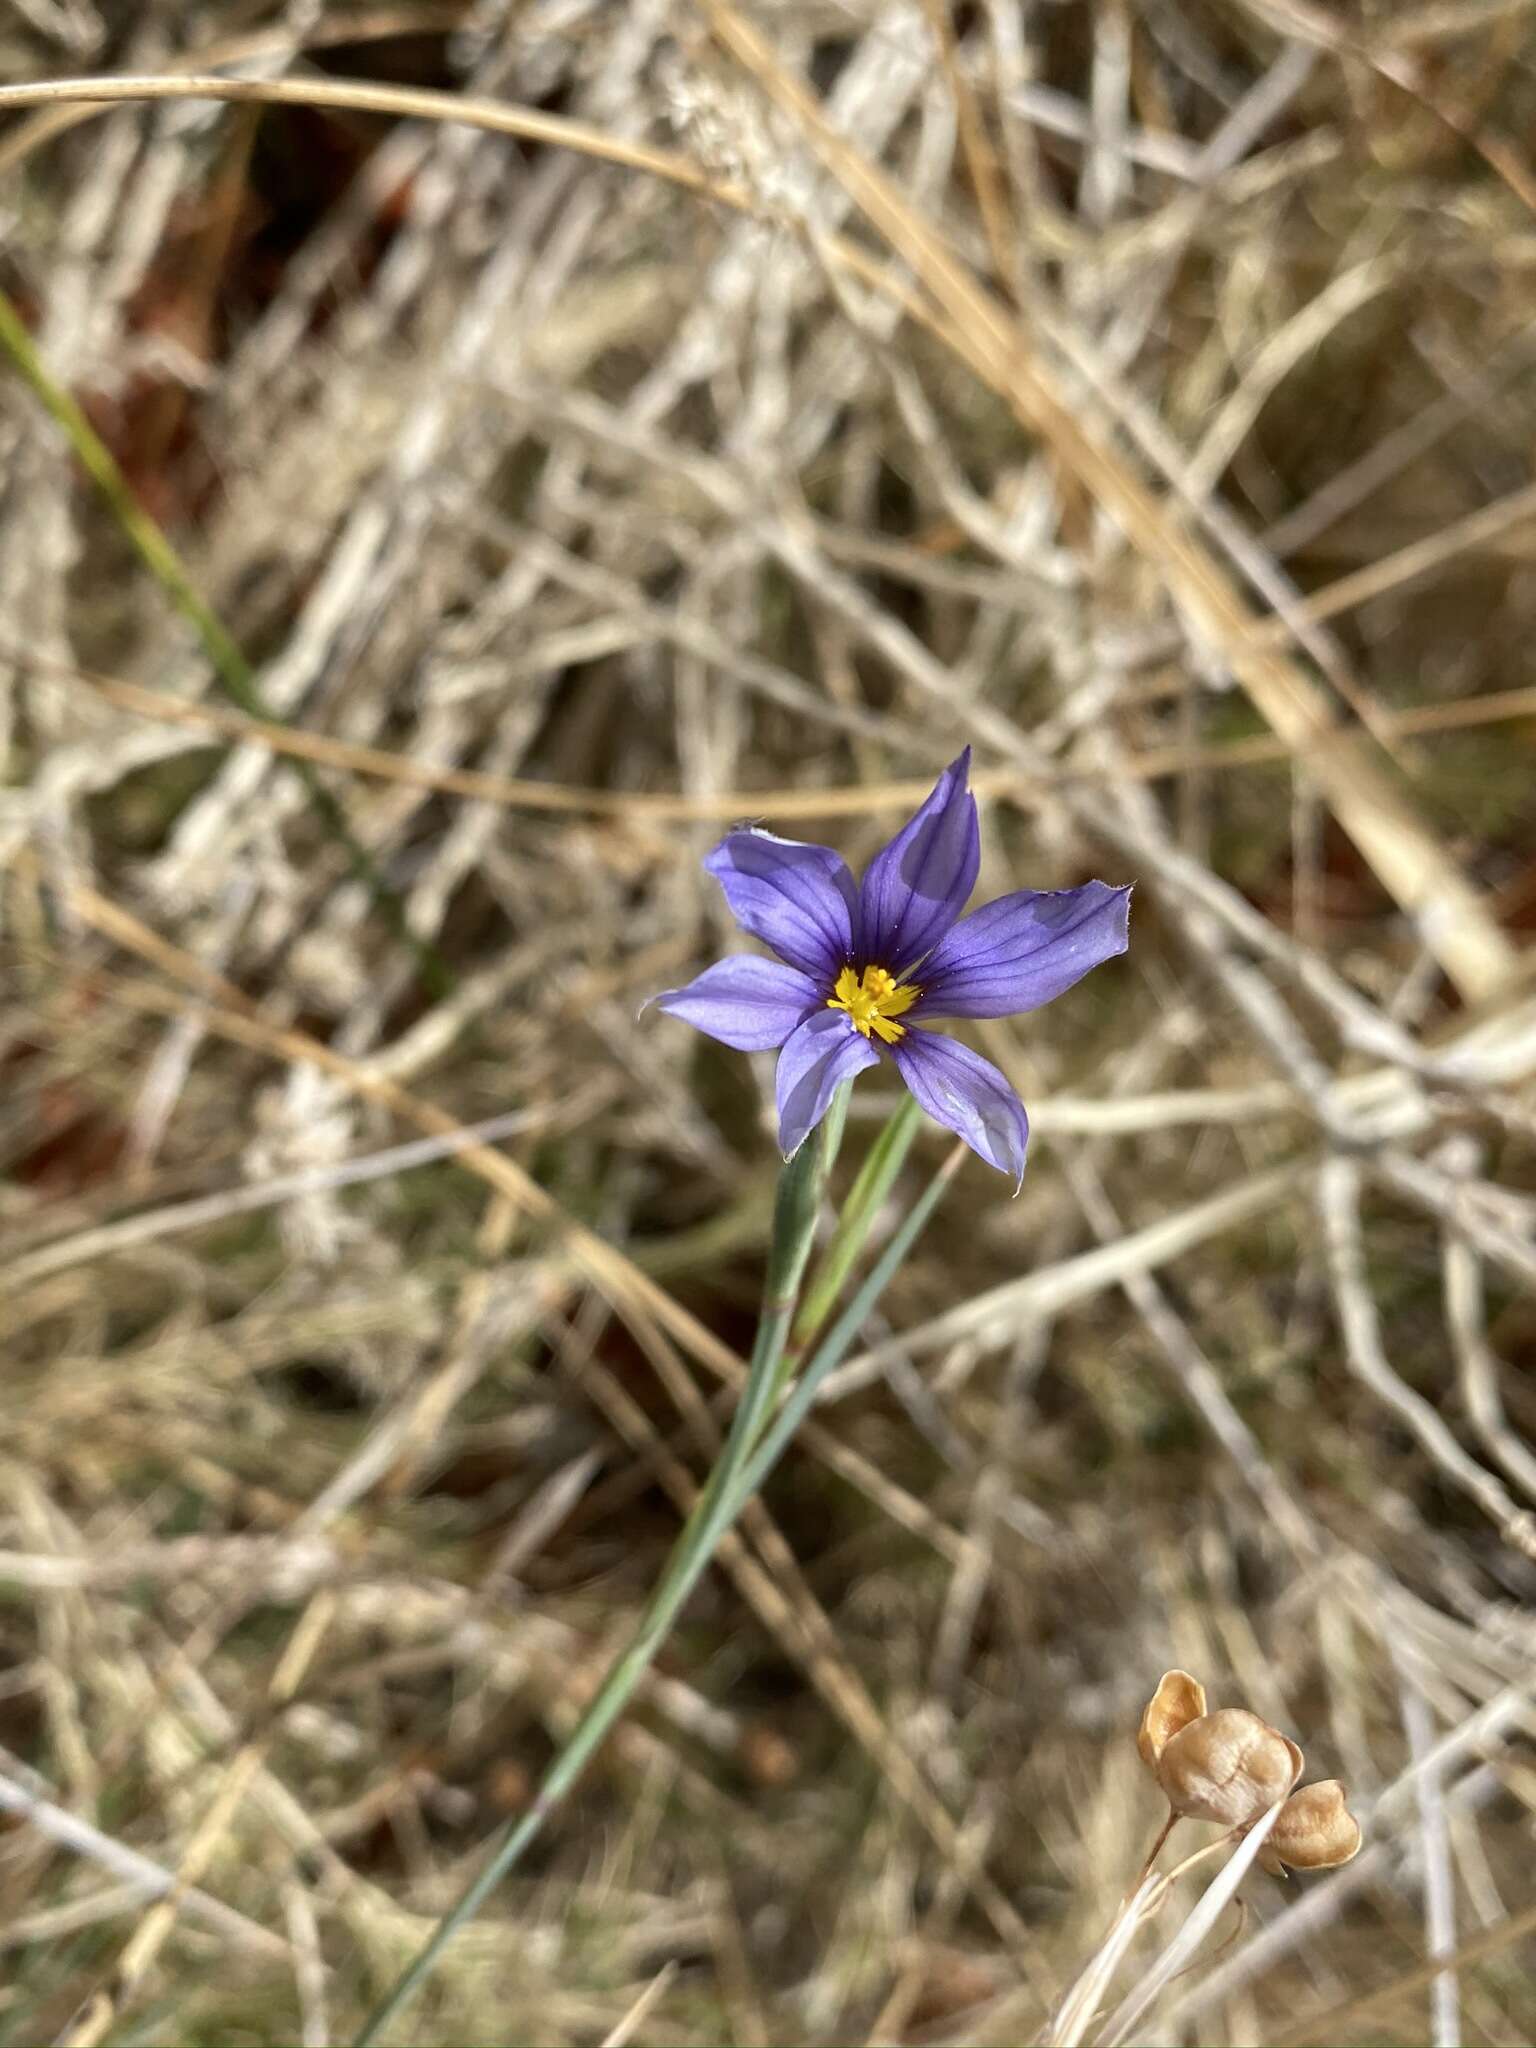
1179 1699
1228 1767
1315 1830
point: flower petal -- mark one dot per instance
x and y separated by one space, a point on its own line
1024 949
748 1002
823 1053
797 898
966 1094
917 886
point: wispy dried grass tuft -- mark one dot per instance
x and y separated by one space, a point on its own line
737 411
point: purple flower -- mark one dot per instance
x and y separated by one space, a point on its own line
858 967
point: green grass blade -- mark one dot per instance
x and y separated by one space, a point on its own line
834 1346
801 1186
875 1178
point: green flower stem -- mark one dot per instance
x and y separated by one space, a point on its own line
830 1131
801 1186
235 675
881 1165
834 1346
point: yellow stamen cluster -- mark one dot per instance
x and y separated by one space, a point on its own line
873 1001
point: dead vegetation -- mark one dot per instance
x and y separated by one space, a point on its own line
732 414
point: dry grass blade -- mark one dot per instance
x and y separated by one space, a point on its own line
1198 1926
641 2010
1339 1202
995 1317
1085 1998
198 1214
240 1020
362 97
25 1803
106 2007
725 805
1327 2025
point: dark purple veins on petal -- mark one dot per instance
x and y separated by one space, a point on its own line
1024 950
796 897
917 886
967 1094
823 1053
746 1002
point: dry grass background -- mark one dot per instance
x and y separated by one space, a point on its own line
1140 392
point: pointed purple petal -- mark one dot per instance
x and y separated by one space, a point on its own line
823 1053
966 1094
797 898
1023 950
918 885
750 1003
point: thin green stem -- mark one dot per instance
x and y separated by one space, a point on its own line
235 674
866 1197
834 1346
801 1186
833 1124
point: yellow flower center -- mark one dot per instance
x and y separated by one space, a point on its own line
873 1000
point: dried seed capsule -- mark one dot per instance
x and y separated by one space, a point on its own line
1228 1767
1179 1699
1315 1830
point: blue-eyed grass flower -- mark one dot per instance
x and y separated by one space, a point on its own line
862 969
